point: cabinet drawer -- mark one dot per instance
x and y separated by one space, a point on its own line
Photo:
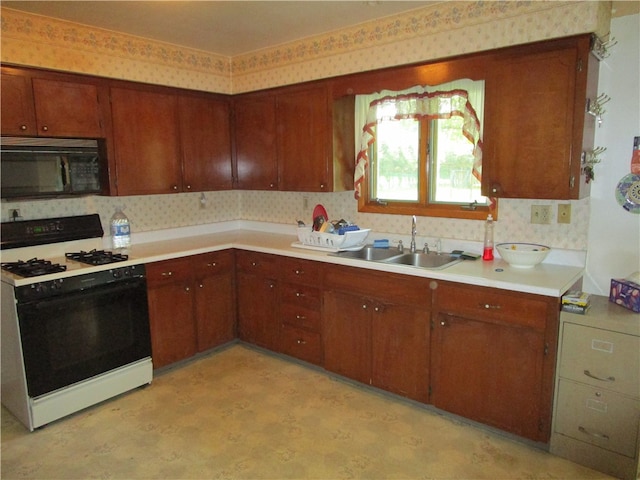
488 303
301 271
213 263
257 263
301 295
601 358
169 271
301 344
297 316
598 416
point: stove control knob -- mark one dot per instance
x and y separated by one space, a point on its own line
127 272
117 273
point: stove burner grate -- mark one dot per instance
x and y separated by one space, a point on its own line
97 257
33 268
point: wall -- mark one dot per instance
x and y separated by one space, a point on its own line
614 234
445 29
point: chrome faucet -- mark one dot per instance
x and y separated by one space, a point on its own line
413 235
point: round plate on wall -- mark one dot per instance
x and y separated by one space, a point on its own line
628 193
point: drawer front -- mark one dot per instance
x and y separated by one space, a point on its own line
304 272
297 316
301 344
169 271
601 358
488 303
213 263
257 263
301 295
599 417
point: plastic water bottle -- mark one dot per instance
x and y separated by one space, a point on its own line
487 253
120 229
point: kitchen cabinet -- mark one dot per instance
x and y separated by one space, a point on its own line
171 297
191 305
493 357
292 139
51 105
169 141
146 142
535 122
596 419
205 139
215 300
375 329
257 293
300 309
254 127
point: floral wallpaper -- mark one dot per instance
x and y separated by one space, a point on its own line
441 30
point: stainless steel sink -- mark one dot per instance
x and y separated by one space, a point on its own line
432 261
369 253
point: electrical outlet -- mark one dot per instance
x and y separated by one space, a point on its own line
14 214
564 213
541 214
305 203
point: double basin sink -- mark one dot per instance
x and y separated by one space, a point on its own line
430 261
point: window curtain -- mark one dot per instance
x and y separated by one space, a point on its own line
464 98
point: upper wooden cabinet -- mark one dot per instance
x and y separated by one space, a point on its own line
285 140
205 138
535 121
166 142
146 142
51 105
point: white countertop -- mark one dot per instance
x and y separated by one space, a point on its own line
544 279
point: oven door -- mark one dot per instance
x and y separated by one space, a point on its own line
79 335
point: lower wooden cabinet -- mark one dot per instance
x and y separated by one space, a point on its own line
258 299
191 305
375 329
493 356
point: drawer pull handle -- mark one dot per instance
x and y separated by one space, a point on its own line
167 274
301 342
212 264
593 434
299 272
488 306
254 264
300 317
608 379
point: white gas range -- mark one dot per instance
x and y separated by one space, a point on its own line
73 333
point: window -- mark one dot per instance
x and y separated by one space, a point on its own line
421 151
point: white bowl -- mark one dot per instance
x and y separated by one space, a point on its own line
523 255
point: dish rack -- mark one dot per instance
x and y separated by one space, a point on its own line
331 240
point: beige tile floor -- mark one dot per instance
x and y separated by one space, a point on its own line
243 414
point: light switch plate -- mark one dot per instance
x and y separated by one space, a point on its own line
541 214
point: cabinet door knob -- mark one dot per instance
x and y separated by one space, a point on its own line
364 305
174 187
45 128
254 264
443 323
299 272
201 286
23 127
187 289
188 187
322 186
272 185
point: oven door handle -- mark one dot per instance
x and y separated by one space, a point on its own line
81 296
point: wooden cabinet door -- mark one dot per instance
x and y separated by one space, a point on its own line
400 350
303 140
206 143
67 109
255 143
346 335
489 372
18 115
171 309
528 130
214 299
146 139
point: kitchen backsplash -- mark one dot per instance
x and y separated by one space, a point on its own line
157 212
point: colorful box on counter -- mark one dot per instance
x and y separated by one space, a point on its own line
625 293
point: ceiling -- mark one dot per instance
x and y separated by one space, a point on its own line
226 28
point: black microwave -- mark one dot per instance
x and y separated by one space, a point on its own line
50 167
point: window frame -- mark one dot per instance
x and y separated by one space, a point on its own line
422 207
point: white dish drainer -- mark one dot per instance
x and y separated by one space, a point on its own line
330 241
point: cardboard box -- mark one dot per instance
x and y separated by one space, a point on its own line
625 293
